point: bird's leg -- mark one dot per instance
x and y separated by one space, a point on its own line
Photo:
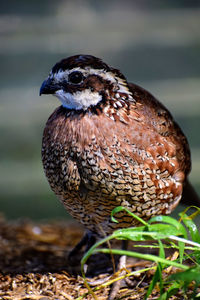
87 240
121 266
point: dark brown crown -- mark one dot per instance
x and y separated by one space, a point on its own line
84 61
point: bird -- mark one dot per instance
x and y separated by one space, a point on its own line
110 143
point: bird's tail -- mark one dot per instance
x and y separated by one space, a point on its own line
190 196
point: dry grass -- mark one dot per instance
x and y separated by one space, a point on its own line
33 264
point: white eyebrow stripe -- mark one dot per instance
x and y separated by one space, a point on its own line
106 75
87 71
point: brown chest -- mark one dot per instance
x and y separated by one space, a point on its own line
94 167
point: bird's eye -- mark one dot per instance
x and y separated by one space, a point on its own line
75 77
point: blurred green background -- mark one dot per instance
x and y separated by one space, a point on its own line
156 44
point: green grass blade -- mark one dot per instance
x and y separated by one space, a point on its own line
172 290
154 280
191 274
188 242
181 246
158 273
169 220
157 229
121 208
150 257
161 249
194 232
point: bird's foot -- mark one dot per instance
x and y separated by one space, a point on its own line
88 240
117 284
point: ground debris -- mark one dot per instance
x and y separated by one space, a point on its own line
34 265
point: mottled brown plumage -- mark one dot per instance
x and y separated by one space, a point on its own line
110 143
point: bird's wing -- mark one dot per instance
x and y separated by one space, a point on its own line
157 116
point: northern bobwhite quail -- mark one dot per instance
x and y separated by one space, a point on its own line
109 144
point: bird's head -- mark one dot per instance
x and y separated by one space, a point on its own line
82 81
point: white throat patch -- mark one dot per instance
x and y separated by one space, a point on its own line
86 98
79 100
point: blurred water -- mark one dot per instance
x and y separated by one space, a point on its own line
155 45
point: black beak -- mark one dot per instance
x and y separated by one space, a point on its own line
48 87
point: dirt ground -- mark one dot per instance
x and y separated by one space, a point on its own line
34 264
